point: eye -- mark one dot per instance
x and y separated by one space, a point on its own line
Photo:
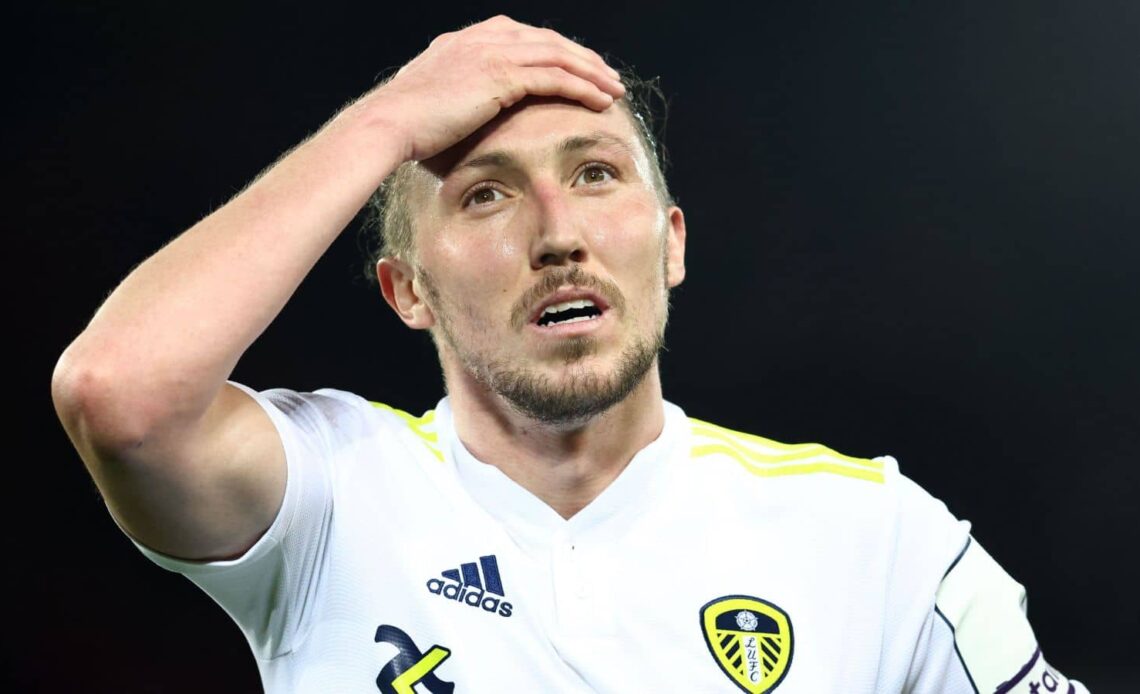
594 174
483 195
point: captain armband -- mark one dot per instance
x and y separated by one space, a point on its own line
986 610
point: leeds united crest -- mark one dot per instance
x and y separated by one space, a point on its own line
750 639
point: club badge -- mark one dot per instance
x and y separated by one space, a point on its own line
750 639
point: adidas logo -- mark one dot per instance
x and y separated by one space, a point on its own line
472 589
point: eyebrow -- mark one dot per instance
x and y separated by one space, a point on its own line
580 142
575 143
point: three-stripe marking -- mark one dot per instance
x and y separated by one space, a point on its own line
468 575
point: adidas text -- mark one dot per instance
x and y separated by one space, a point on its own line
475 597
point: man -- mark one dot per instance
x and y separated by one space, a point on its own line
554 524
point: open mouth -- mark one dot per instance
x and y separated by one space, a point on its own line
566 312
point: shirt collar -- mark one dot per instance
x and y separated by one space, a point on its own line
530 520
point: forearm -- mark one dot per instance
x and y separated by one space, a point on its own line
161 346
157 353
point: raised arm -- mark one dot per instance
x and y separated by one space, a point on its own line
189 465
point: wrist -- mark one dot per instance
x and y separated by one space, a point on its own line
370 125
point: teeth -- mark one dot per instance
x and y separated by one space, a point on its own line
567 305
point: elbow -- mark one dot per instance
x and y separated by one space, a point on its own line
101 412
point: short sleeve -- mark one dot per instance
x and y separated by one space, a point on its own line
271 590
977 637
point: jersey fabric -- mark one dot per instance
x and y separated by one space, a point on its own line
717 561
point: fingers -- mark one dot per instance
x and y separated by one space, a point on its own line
464 78
554 81
549 35
546 47
546 55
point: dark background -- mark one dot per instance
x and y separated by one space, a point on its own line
913 229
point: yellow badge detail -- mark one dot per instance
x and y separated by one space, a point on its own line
750 639
423 667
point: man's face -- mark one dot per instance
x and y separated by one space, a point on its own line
545 257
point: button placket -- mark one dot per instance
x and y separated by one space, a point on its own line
571 591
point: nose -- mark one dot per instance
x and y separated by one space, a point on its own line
558 238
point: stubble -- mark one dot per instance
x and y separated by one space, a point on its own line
579 393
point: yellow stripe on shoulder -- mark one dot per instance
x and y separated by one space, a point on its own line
422 426
767 458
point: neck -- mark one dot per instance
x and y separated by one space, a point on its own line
567 466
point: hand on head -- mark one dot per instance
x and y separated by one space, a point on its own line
465 78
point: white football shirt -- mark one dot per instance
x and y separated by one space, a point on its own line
717 561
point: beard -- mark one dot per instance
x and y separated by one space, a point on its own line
572 399
580 394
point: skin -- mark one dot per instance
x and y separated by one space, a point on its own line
488 234
187 463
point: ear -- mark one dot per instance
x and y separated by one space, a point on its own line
401 291
675 247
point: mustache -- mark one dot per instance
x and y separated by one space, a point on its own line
561 277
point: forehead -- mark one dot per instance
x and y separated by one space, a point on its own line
537 127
